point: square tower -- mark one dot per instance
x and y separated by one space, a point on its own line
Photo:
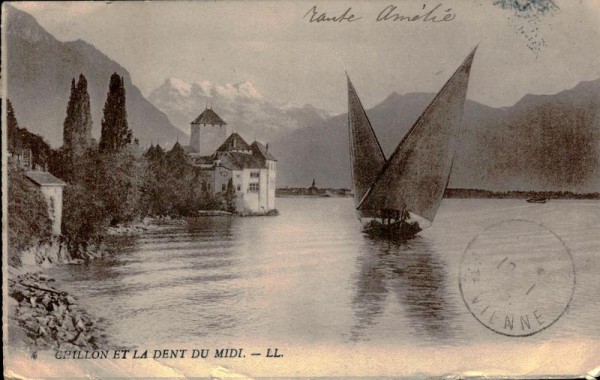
208 132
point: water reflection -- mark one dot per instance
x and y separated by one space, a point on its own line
217 226
189 268
414 273
309 276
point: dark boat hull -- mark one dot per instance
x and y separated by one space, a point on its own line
537 200
400 230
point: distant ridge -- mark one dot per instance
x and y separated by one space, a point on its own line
476 193
39 71
542 143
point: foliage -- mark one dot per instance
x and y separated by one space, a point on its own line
84 219
111 182
104 189
20 139
230 196
121 179
173 186
12 126
115 134
28 220
77 128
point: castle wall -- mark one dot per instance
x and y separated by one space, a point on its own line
222 176
271 184
251 197
195 137
207 138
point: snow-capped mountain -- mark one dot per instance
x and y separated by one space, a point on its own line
241 105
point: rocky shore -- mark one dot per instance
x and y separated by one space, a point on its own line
54 252
273 212
147 224
43 316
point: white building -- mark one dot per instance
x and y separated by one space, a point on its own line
52 190
251 169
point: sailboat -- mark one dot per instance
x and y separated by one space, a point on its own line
398 196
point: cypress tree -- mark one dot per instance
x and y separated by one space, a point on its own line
20 139
84 114
115 133
77 128
69 124
13 127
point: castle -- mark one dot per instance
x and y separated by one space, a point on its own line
223 157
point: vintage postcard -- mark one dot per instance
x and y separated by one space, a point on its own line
252 189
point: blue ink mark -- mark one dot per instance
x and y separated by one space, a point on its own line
540 6
527 17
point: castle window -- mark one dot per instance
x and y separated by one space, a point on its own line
239 187
223 187
254 174
253 187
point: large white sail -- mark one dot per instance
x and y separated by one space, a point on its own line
417 173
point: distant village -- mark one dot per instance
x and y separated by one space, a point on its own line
313 191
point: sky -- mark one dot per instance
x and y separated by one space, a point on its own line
290 59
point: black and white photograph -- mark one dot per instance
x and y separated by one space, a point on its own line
296 189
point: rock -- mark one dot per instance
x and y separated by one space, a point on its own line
17 295
67 324
46 299
31 325
50 319
43 320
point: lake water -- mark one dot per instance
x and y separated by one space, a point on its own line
309 275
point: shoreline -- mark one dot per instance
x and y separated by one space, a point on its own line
146 224
44 317
487 194
156 223
484 194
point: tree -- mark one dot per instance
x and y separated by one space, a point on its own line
69 123
20 139
84 219
115 134
28 220
120 185
230 196
77 128
12 127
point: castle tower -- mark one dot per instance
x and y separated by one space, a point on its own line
208 132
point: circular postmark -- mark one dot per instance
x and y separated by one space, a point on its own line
517 277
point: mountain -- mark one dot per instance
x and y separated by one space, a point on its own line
543 142
241 105
40 69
